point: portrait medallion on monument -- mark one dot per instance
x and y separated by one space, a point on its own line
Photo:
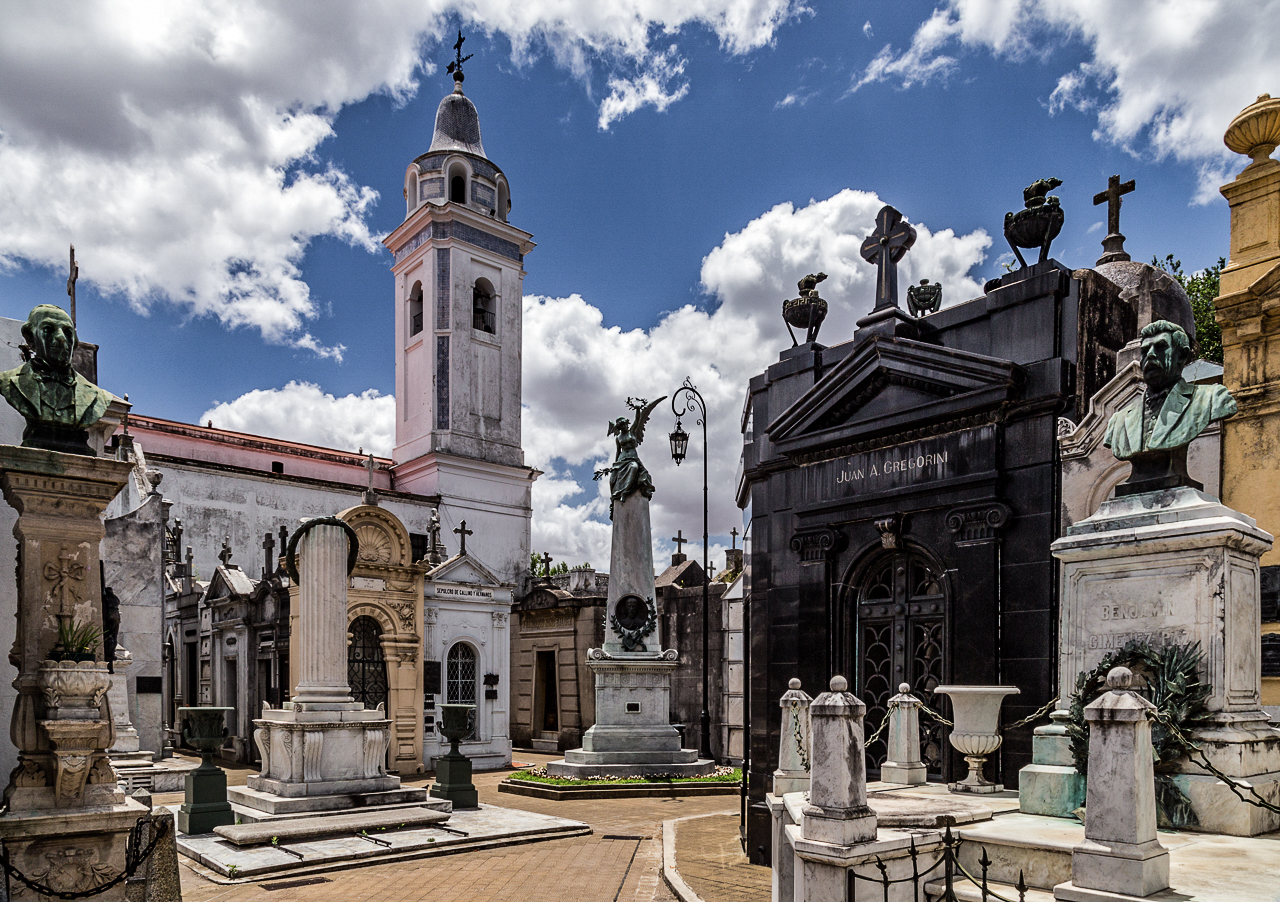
633 618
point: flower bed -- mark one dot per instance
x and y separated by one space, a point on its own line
540 775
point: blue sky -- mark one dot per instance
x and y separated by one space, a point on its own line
221 192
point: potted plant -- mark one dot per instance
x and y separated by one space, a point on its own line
77 641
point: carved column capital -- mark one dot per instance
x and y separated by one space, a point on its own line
817 544
972 523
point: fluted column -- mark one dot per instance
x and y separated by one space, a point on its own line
321 643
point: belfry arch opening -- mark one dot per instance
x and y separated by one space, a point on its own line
458 183
415 309
484 307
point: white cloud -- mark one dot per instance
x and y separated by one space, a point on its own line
650 87
578 372
795 98
178 145
867 31
1164 77
303 412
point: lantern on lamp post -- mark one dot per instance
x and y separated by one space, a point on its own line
690 401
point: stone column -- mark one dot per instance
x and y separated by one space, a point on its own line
320 644
795 743
1120 854
904 764
837 811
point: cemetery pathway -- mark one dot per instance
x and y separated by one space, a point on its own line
620 862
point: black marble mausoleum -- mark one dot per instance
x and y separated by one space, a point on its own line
902 491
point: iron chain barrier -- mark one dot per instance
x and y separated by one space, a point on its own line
133 859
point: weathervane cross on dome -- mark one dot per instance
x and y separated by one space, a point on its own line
455 67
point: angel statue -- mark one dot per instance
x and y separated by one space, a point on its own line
627 474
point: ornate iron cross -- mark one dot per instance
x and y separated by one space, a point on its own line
456 65
462 532
884 248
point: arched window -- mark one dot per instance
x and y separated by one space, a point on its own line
460 677
484 307
411 194
366 664
504 200
415 309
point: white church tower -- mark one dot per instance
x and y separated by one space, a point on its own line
459 272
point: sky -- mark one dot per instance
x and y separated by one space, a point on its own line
227 171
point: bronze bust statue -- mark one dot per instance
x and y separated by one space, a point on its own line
1153 433
58 403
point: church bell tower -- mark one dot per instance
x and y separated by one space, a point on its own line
459 271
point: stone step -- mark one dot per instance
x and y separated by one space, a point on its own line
267 803
964 891
304 828
254 816
1038 847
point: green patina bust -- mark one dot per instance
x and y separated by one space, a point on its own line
1153 432
58 403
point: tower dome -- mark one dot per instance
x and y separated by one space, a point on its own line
457 125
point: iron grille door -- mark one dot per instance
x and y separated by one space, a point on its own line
366 664
901 639
460 677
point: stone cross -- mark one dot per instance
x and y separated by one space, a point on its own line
462 532
883 248
680 541
68 569
268 546
284 539
734 540
546 564
1113 244
73 274
225 554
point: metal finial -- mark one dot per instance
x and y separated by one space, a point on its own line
455 67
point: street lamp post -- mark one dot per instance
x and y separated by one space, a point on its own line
691 403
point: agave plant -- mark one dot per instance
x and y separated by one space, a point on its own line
77 640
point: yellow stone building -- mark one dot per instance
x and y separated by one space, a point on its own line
1248 309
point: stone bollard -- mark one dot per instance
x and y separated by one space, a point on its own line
903 764
837 811
1120 854
795 744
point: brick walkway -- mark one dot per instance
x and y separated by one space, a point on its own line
621 861
711 861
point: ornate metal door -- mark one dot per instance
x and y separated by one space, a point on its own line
460 678
366 664
901 638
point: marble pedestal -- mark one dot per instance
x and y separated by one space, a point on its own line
322 760
1169 567
632 735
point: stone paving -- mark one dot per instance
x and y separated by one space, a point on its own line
621 860
711 861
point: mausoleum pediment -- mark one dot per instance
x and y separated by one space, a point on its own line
888 384
463 568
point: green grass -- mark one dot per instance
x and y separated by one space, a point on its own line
539 775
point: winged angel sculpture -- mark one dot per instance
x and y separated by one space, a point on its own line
627 475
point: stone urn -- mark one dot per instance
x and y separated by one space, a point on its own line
204 729
74 690
205 804
453 771
1256 130
976 733
456 724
